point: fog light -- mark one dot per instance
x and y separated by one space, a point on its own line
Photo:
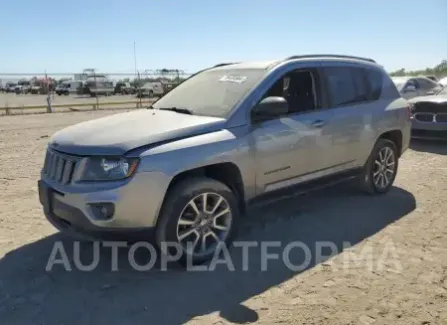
103 211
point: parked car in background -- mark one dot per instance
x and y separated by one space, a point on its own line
410 87
10 87
99 87
69 88
62 89
36 88
124 88
443 81
429 116
188 166
23 87
151 89
433 78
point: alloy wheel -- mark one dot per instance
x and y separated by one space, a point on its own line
204 223
384 168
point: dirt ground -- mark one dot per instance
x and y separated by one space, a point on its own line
404 280
13 100
17 104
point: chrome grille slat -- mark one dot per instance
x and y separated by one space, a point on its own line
67 172
59 167
50 162
53 166
45 165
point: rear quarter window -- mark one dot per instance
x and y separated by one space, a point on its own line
375 80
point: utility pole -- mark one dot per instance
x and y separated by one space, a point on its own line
137 74
47 86
135 58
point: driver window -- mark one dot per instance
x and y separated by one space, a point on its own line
298 88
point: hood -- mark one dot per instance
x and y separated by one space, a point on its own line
119 133
431 99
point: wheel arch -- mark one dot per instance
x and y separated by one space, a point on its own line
396 137
227 173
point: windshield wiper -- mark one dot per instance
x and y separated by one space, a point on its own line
180 110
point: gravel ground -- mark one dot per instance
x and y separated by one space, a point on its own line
8 100
12 100
394 270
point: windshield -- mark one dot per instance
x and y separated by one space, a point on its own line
212 92
399 82
443 91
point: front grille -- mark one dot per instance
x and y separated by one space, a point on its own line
59 167
424 117
441 118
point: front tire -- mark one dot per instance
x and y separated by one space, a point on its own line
381 168
197 215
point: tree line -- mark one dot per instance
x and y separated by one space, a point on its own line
439 71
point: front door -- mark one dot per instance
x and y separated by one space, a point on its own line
295 147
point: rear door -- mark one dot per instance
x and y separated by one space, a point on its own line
350 103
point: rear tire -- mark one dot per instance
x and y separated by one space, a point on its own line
183 213
381 168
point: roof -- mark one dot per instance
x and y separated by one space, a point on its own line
271 63
247 65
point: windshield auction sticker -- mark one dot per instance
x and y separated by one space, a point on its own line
235 79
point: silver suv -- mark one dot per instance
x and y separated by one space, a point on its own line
236 133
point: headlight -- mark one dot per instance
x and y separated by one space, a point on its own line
108 169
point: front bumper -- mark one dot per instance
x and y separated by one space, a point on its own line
136 202
428 130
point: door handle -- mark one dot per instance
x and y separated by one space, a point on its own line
318 124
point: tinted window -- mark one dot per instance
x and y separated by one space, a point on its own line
361 84
375 80
341 86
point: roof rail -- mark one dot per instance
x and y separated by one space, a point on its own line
223 64
340 56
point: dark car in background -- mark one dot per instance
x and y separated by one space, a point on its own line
429 115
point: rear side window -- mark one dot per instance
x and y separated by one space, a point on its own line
341 85
353 85
361 83
375 80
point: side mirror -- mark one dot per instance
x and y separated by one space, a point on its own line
269 108
410 89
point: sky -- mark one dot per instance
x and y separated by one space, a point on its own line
69 36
